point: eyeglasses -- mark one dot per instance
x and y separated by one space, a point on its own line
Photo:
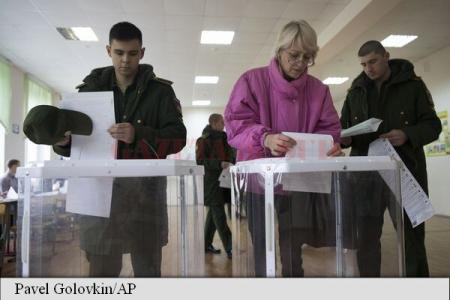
300 57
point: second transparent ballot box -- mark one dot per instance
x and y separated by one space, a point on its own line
334 217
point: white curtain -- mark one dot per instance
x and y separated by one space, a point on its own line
5 94
37 95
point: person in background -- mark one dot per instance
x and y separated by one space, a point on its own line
9 179
213 152
265 102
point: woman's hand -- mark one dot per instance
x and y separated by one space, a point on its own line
336 150
346 141
278 144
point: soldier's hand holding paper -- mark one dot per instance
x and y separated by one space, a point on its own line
122 132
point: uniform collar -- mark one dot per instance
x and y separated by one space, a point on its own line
113 83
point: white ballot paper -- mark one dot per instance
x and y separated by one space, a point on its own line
367 126
309 146
415 201
91 196
225 179
99 106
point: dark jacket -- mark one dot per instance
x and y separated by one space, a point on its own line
139 204
211 150
406 104
155 114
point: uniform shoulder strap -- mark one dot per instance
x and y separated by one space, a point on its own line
162 80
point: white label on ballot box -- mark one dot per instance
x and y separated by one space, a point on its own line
91 196
415 202
309 146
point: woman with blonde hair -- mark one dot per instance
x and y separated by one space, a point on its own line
265 102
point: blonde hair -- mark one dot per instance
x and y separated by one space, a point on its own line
298 33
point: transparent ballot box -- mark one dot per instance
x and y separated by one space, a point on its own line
141 218
334 217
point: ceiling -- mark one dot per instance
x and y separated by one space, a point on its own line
171 32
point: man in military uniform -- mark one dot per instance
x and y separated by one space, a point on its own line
214 153
391 91
149 126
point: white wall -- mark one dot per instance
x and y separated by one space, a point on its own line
195 119
14 143
434 70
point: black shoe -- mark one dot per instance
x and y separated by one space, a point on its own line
229 254
212 250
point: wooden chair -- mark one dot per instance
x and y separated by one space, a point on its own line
4 232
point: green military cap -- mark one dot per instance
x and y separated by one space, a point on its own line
46 124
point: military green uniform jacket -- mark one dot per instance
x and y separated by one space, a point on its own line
153 110
211 150
138 206
403 103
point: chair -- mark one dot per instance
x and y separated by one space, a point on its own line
4 232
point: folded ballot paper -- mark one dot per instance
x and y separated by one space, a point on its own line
225 179
309 146
367 126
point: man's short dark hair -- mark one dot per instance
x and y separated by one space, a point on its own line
125 31
371 46
12 163
214 118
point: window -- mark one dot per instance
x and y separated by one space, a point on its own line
37 95
36 153
5 94
5 111
2 148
